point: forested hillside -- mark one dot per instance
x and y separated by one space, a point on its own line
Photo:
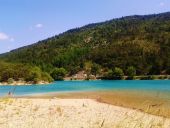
139 42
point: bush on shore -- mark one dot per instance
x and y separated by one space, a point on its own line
58 73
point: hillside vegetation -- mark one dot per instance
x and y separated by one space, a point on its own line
10 72
141 43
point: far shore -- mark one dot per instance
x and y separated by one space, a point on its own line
20 83
142 77
146 77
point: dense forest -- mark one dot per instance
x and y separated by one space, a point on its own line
133 45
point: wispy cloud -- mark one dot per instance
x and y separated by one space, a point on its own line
4 36
39 25
36 26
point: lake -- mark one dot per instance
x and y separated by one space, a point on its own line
158 86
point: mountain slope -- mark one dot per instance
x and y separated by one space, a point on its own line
139 41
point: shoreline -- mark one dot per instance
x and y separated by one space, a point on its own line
23 83
132 100
140 77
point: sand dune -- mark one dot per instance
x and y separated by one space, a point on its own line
73 113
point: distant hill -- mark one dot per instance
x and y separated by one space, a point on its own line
139 41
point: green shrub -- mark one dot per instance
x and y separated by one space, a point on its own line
131 71
46 77
118 73
58 73
95 69
10 80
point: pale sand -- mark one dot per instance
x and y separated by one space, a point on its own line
73 113
152 103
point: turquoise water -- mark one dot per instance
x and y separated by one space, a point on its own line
162 86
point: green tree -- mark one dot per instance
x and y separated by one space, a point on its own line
95 69
87 66
109 74
34 76
118 73
58 73
46 77
131 71
10 80
6 74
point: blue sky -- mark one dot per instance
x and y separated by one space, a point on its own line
23 22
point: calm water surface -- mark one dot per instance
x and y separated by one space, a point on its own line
158 86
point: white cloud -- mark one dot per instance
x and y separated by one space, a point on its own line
36 26
162 4
3 36
39 25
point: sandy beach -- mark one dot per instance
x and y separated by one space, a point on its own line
152 103
73 113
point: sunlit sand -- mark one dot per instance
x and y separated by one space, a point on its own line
73 113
